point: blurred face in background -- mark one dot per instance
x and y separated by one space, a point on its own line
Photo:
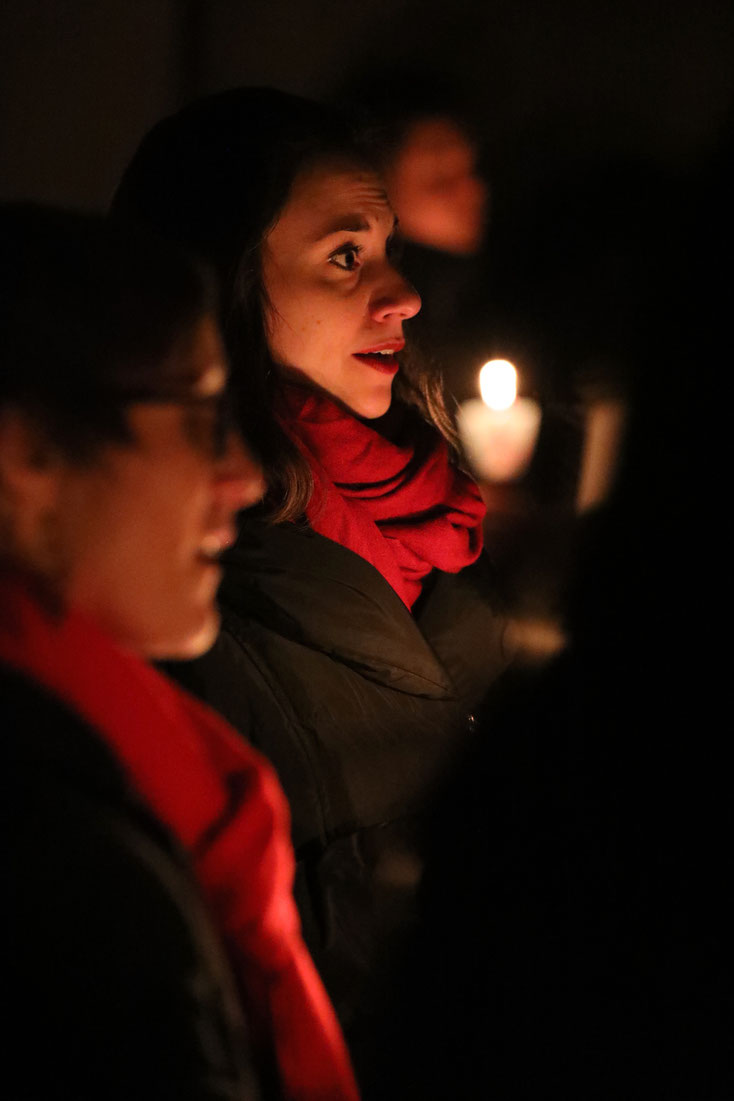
138 531
336 301
434 186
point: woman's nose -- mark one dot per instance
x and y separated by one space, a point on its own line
239 476
394 297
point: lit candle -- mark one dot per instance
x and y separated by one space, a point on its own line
499 430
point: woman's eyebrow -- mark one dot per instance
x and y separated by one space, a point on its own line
350 223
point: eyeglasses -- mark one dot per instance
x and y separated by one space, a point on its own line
209 419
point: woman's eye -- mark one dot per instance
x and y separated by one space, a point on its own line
202 424
346 257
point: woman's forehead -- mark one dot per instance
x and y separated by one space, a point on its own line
330 198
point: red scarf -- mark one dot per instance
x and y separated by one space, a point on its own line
404 513
223 802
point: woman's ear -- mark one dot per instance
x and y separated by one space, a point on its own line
29 462
31 480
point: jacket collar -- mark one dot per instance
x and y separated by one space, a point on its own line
318 593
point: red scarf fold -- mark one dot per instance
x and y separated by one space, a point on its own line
186 762
405 513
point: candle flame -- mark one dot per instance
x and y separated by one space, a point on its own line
498 384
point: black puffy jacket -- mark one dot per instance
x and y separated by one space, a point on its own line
361 706
119 984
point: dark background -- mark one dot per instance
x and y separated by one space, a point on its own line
81 80
558 84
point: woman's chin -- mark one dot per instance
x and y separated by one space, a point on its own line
371 406
184 643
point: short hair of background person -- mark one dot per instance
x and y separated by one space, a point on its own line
214 178
89 321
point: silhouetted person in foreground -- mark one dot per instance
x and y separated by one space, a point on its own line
154 947
576 927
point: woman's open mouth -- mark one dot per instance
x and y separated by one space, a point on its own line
214 545
382 357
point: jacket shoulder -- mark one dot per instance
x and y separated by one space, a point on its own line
112 955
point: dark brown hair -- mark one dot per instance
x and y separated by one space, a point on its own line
90 319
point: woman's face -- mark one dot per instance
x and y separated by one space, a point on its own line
139 532
337 302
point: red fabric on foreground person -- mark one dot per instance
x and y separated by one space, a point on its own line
221 799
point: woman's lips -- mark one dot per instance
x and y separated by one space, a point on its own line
215 544
382 357
388 364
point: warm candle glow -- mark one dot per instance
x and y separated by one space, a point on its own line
498 383
499 430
